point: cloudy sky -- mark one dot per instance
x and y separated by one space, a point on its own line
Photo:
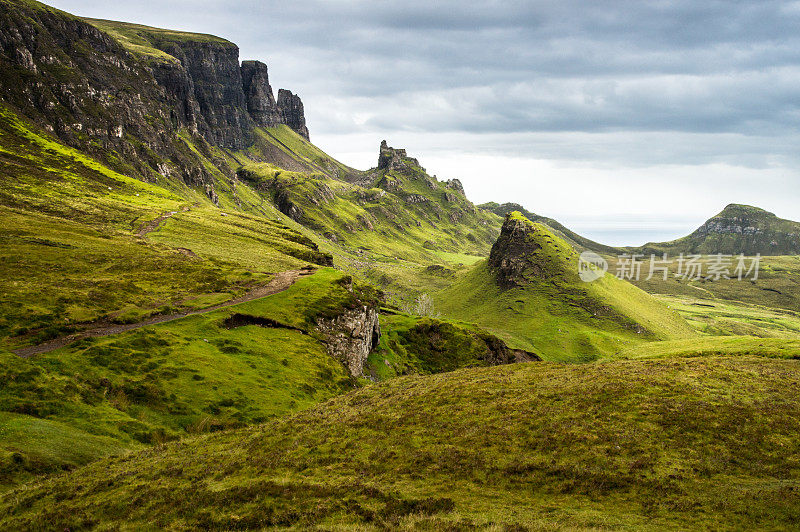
626 121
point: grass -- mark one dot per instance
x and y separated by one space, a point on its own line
422 345
70 255
31 446
647 444
167 380
145 40
731 318
553 313
776 286
715 345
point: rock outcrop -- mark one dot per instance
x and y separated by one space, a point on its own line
397 159
351 336
261 102
577 241
499 353
290 108
454 184
526 251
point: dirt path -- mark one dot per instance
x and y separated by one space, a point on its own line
279 283
151 226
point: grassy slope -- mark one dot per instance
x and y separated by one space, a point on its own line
160 382
788 348
726 318
561 317
651 444
70 254
140 40
371 232
421 345
776 286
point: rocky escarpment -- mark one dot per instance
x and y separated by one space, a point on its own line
525 252
261 102
212 66
351 336
290 109
122 92
79 84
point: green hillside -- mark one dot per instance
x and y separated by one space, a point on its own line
646 445
207 322
552 312
193 375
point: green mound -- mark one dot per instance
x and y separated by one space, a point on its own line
530 294
651 444
422 345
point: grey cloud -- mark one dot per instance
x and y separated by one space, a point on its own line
623 82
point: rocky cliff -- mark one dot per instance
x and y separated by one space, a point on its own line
351 336
261 102
290 110
83 87
122 92
212 67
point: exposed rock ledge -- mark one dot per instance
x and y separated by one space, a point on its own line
351 336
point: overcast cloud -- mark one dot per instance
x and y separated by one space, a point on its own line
628 121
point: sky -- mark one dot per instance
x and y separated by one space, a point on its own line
628 121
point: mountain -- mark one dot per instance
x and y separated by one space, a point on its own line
634 444
529 293
208 322
737 229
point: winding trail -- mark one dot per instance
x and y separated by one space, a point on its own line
152 225
279 283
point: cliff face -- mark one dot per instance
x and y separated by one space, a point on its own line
261 103
121 92
290 108
82 86
216 85
351 336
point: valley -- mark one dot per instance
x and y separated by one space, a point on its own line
207 322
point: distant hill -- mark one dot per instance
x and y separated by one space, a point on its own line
737 229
